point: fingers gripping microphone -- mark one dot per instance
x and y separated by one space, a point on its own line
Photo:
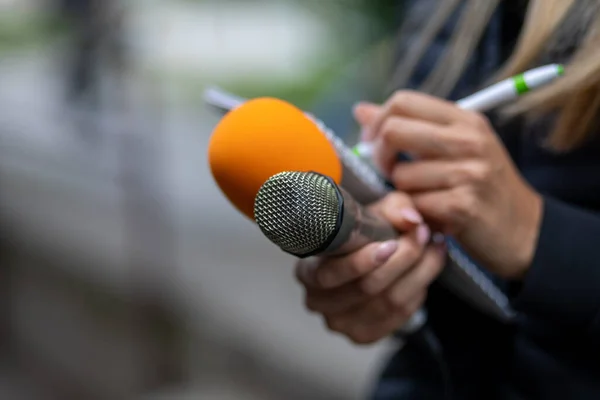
306 214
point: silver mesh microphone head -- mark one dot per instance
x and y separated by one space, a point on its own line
298 211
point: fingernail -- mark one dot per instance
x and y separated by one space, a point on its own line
438 238
385 251
423 234
411 215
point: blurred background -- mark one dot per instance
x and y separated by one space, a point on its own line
125 273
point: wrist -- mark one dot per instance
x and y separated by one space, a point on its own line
526 233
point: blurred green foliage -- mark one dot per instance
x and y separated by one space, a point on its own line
302 93
379 16
24 31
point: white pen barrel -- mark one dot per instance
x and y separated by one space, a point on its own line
543 75
509 89
490 97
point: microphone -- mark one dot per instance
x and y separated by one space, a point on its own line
264 136
260 138
307 214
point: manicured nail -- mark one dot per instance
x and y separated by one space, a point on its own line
423 234
385 251
411 215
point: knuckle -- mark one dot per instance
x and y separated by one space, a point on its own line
358 266
310 304
374 283
304 267
397 303
458 176
361 335
470 205
334 324
473 144
371 285
401 99
400 179
463 206
479 172
396 200
405 311
410 253
477 120
380 308
388 130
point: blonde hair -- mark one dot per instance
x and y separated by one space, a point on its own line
575 97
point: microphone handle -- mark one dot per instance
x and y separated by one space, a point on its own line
359 227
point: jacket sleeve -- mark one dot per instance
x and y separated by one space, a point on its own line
563 282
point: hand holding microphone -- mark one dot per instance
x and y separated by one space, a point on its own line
266 136
372 282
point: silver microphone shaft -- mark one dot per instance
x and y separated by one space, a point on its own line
358 227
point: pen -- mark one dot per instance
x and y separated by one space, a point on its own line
495 95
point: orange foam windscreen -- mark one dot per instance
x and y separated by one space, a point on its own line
261 138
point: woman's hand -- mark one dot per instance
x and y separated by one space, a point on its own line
462 181
372 292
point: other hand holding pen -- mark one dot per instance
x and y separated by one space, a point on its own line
463 180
